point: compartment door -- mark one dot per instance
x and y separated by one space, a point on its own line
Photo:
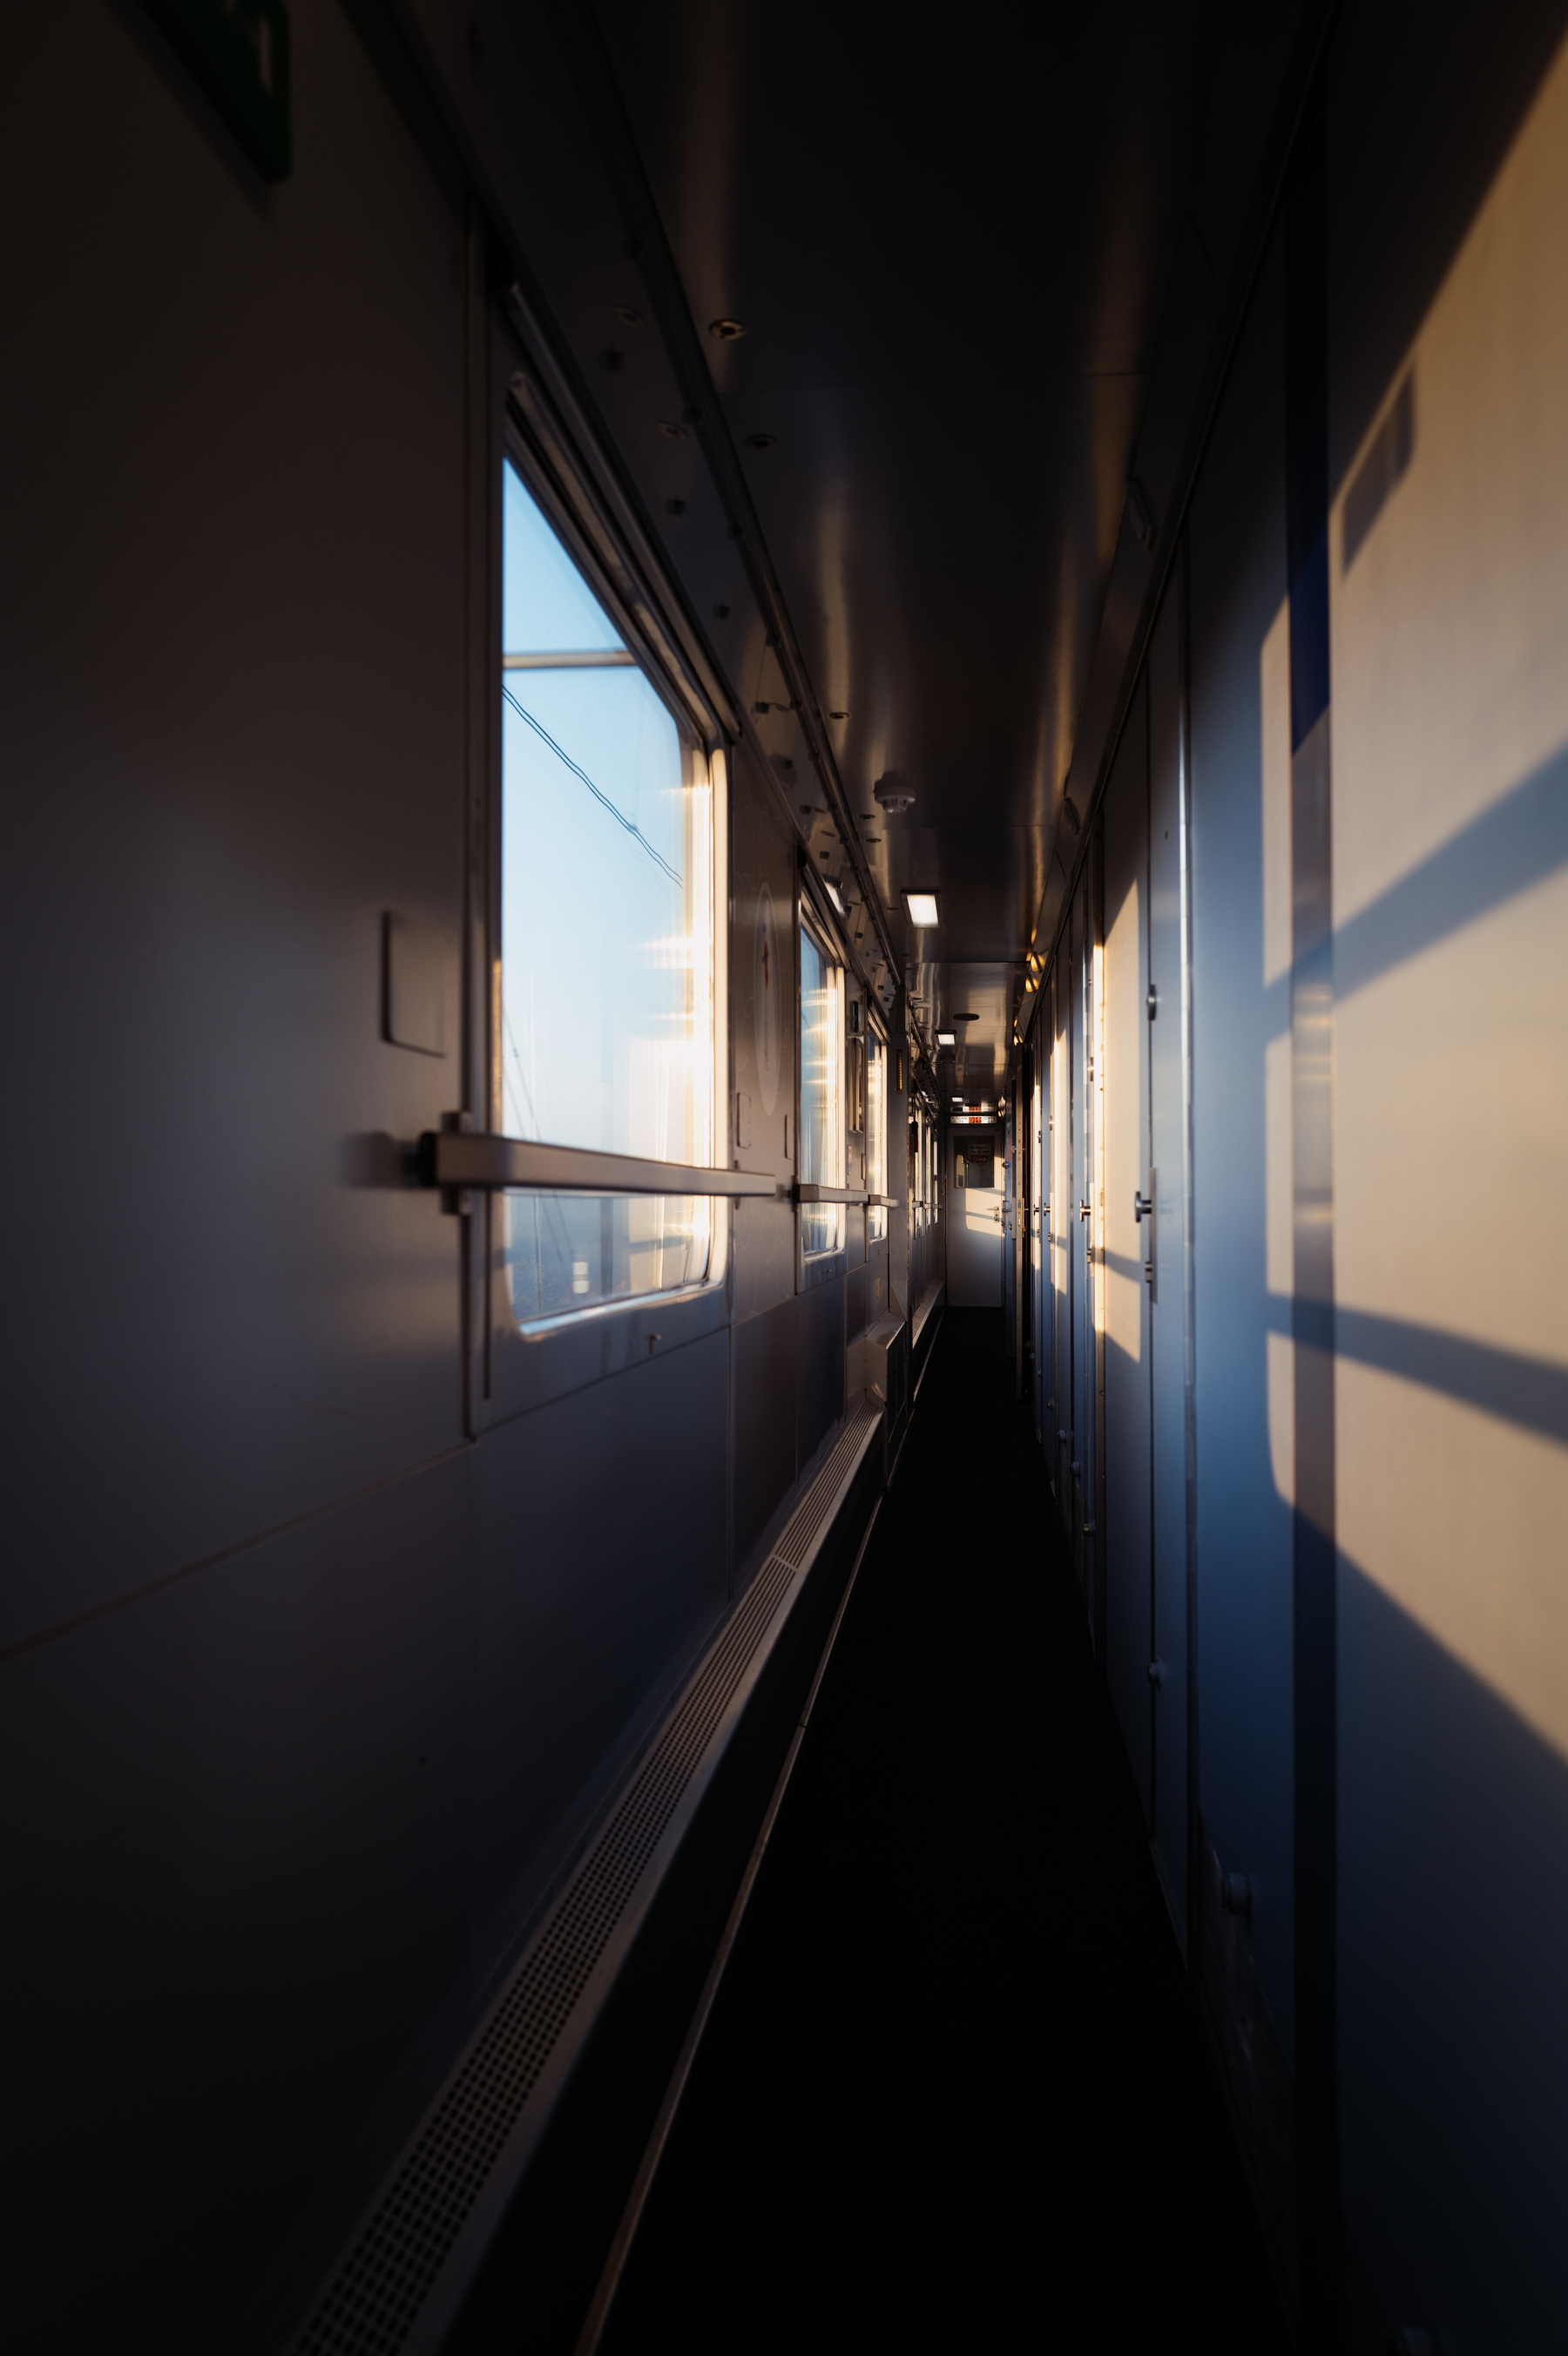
1127 1550
1166 1233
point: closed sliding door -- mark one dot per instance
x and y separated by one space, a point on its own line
1129 1601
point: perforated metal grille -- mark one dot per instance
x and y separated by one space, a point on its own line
821 1500
372 2302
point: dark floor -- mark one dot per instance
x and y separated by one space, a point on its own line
953 2092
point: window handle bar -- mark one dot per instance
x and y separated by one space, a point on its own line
454 1160
809 1191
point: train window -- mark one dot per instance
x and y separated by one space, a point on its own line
821 1092
606 982
876 1133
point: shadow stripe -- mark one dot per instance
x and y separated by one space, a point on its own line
1509 847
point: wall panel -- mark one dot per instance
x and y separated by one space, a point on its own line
1449 606
1241 1011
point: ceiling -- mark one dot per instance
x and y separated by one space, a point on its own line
949 257
975 1002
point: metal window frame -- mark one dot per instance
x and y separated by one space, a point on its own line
877 1200
812 1268
518 417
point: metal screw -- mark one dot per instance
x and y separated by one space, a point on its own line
1236 1895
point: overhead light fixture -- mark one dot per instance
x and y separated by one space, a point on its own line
946 1038
832 894
921 908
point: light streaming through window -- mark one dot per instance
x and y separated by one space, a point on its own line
606 999
821 1092
876 1134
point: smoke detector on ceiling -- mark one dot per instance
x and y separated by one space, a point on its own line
890 794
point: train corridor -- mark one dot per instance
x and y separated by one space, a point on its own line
730 703
954 2090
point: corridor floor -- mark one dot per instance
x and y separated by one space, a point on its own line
953 2092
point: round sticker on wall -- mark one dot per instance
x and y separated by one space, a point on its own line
767 999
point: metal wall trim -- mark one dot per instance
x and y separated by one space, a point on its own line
1094 1172
604 107
1188 1247
1320 2245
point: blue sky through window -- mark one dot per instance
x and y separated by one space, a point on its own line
606 920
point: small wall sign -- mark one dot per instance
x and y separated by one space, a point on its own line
238 50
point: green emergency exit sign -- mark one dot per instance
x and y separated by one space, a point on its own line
238 50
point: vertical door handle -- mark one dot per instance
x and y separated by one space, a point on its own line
1143 1208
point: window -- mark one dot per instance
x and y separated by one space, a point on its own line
975 1158
821 1092
606 999
876 1133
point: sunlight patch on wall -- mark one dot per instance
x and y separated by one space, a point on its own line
1450 618
1449 608
1451 1131
1125 1098
1459 1518
1273 682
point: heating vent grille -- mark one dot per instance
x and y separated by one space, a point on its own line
821 1500
372 2302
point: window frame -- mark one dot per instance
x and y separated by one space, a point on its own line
877 1030
812 1268
512 1366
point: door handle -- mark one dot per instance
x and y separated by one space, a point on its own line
1085 1211
1142 1206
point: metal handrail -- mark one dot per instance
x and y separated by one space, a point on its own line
469 1159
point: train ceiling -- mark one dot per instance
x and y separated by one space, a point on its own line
930 268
